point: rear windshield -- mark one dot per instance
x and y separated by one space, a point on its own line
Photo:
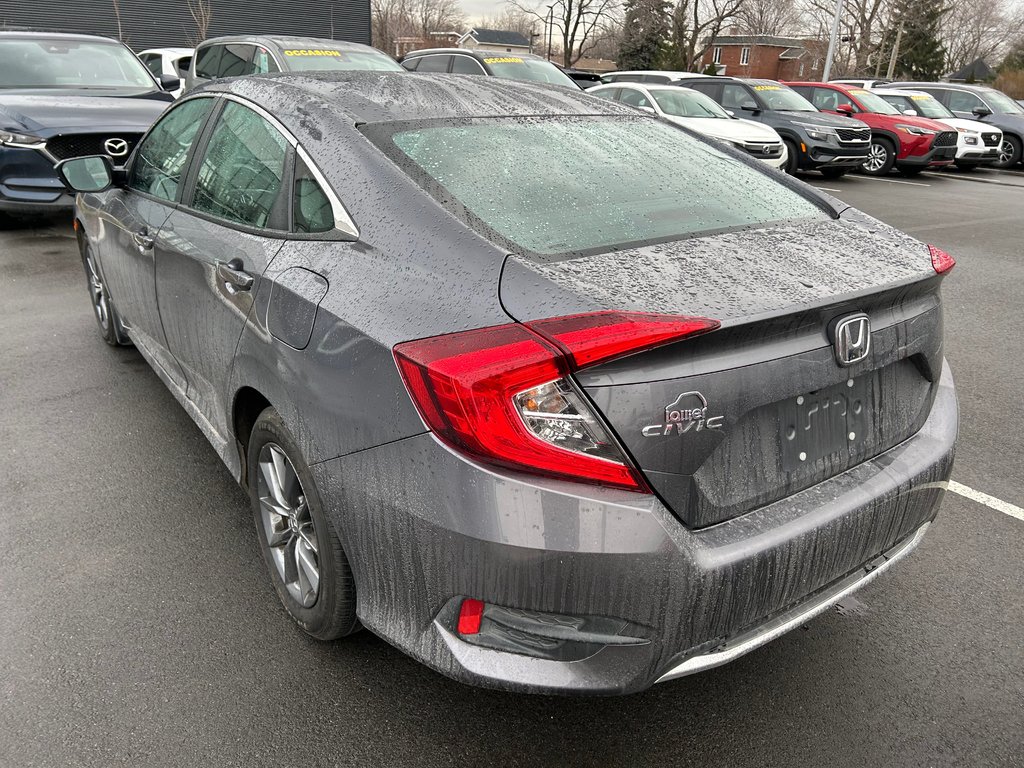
323 59
519 68
62 63
586 184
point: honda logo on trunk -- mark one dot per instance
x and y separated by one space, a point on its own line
851 339
116 147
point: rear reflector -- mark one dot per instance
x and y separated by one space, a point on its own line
503 394
941 260
471 614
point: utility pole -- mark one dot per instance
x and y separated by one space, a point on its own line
551 21
832 42
895 53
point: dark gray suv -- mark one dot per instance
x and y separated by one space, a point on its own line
547 392
979 102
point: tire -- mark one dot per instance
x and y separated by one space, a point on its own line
834 173
911 170
881 157
111 328
290 510
792 161
1009 153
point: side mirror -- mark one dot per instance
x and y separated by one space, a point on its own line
909 113
86 174
647 109
846 109
749 106
981 112
169 82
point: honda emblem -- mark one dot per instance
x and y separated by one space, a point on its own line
851 339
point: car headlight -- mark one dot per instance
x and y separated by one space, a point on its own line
11 139
971 138
915 130
819 132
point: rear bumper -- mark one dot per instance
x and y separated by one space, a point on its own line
424 528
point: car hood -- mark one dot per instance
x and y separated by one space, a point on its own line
912 120
728 130
821 118
46 114
969 125
734 277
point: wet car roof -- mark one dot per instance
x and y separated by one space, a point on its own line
380 97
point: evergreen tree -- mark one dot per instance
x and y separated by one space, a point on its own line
644 33
922 54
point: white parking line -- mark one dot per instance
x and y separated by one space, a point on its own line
829 189
989 501
893 181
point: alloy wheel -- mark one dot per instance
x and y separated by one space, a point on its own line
288 525
98 292
877 156
1007 152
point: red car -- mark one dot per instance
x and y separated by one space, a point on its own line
911 144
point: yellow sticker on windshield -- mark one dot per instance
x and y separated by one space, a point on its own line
921 97
314 52
767 87
859 93
504 60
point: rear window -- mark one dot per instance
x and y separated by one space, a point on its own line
588 184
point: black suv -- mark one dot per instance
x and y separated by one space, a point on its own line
979 102
241 55
816 141
63 96
468 61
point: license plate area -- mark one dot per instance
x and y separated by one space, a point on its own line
828 421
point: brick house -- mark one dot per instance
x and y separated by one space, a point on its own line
767 57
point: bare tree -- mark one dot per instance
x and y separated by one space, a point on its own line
418 19
695 24
977 29
202 15
578 24
512 20
860 31
117 17
768 17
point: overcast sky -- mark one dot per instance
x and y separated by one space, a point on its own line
475 9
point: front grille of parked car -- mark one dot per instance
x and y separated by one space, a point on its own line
763 149
945 139
82 144
990 139
854 135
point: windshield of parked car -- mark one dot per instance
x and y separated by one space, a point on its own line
61 63
520 68
570 185
922 103
331 59
872 102
1002 104
683 102
780 97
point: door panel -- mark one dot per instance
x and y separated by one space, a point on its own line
213 256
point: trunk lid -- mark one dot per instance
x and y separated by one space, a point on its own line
759 409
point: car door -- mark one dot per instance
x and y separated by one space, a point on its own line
231 224
136 219
963 103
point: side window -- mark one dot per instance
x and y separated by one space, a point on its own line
824 99
411 64
311 208
181 66
629 79
241 175
941 94
734 96
713 90
160 159
902 103
264 62
634 98
963 101
208 61
237 60
612 94
465 65
153 63
662 79
433 64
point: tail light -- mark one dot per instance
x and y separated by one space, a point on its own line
941 260
503 394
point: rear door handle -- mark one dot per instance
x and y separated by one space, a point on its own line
235 278
142 240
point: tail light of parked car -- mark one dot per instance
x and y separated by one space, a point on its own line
941 260
503 394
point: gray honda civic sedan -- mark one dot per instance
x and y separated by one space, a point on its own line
546 392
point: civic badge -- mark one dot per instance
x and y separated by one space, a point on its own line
851 339
686 412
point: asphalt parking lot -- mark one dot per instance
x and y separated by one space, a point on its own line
138 626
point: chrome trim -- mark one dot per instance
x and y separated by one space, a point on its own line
342 220
780 625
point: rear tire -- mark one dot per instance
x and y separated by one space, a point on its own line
304 556
111 328
1009 153
834 173
792 161
881 157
